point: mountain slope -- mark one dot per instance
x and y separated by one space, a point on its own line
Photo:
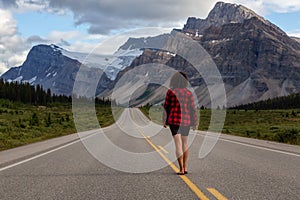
47 66
256 59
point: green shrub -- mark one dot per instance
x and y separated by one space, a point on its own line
290 136
34 121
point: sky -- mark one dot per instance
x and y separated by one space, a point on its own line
80 26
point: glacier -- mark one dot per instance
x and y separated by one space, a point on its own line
110 64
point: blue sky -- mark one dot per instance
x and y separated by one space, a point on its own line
81 25
289 22
42 23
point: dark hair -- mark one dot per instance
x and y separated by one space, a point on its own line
179 80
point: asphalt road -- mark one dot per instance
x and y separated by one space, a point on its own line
138 162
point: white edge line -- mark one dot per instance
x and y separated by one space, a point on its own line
79 140
48 152
254 146
40 155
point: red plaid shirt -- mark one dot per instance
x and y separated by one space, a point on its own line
180 108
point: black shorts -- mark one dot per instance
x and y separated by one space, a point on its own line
183 130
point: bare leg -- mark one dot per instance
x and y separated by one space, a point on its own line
178 146
185 149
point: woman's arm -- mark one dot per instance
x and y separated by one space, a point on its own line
193 111
166 110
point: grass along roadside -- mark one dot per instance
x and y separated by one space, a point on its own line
22 124
274 125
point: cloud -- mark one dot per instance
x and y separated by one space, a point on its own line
36 39
3 67
8 3
56 36
264 7
13 48
105 16
295 33
75 41
282 7
7 23
108 17
23 3
64 43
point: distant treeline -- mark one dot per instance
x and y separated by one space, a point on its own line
286 102
36 95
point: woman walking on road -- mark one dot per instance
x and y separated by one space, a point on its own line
180 114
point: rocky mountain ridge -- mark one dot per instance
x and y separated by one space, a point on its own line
221 14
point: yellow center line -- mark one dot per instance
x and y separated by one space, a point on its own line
191 185
161 148
217 194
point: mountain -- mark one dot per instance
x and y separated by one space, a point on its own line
222 14
56 68
47 66
257 61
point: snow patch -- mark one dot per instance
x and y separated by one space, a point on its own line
18 79
32 80
218 55
55 48
172 54
219 41
284 88
19 72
